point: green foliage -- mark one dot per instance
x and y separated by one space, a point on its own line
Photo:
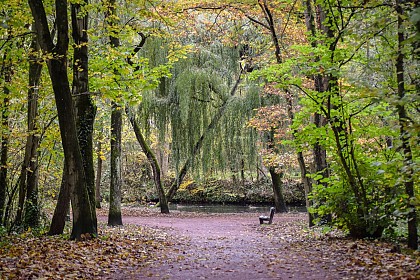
365 189
180 79
183 107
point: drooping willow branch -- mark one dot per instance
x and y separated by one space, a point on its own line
181 175
151 157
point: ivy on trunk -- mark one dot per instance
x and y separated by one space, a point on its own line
84 219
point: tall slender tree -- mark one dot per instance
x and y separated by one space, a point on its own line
85 108
114 214
30 170
151 157
6 74
276 178
320 85
403 121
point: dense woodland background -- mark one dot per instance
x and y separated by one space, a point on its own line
136 101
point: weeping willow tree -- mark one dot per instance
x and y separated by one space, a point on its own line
202 111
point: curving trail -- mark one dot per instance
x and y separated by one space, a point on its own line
228 246
237 247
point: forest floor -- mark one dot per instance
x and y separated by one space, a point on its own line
186 246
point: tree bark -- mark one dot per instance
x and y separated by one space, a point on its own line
307 185
114 214
289 100
63 206
83 217
30 166
84 108
277 184
320 83
98 196
408 172
164 208
5 133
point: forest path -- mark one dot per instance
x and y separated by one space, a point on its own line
229 246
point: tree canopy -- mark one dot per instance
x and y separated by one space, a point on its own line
324 92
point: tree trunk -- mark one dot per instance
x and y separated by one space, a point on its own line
152 160
9 207
307 185
98 197
408 172
114 214
30 166
319 153
289 102
320 164
62 208
277 189
85 109
83 217
321 84
5 133
276 176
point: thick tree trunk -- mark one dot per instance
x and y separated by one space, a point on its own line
276 176
63 206
84 219
277 189
114 214
85 109
83 216
98 197
321 84
408 172
164 208
320 154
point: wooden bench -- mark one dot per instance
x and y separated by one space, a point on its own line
269 219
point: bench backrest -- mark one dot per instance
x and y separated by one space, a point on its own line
272 211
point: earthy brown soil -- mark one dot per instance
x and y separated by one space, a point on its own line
228 246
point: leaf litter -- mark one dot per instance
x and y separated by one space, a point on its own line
127 248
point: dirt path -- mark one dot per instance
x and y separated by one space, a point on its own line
183 246
232 246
